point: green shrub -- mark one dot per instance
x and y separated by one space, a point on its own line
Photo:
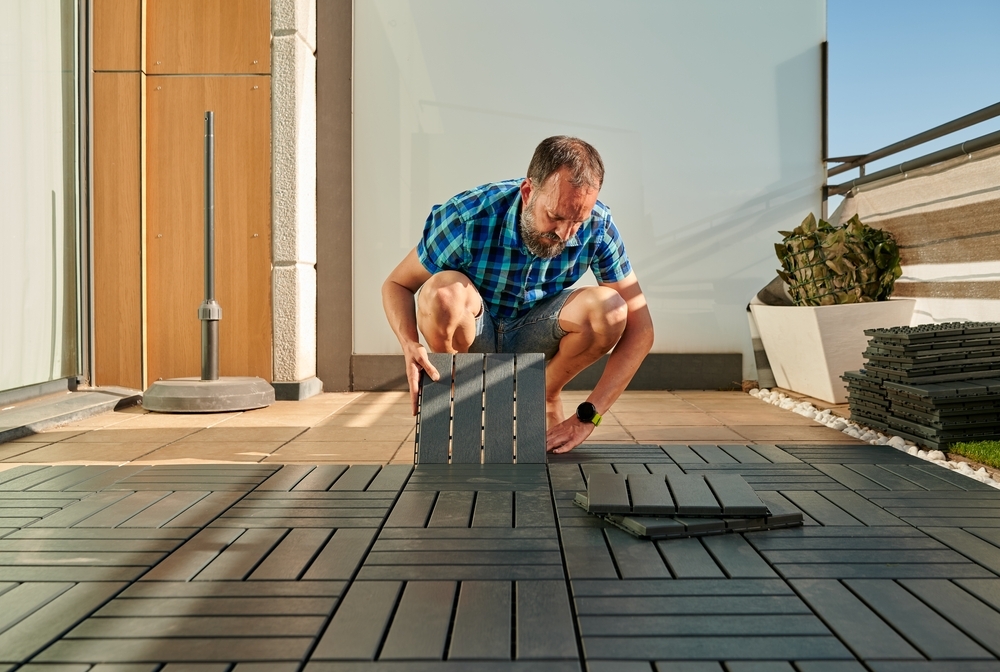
984 452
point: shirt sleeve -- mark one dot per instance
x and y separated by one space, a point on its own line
442 245
610 263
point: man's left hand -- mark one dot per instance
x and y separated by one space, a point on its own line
567 435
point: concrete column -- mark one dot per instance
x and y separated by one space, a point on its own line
293 140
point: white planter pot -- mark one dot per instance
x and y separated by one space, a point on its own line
810 348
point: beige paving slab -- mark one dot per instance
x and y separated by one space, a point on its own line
158 435
652 406
666 419
228 434
300 420
377 433
222 450
372 419
780 417
606 434
50 436
12 450
191 421
652 433
88 452
772 433
336 452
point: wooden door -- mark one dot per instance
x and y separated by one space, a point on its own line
175 111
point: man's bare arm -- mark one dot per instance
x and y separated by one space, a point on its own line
397 301
623 362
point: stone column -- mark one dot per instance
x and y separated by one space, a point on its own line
293 146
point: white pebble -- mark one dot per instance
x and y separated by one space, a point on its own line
837 424
922 454
935 455
898 443
912 450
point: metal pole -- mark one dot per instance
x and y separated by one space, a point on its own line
210 312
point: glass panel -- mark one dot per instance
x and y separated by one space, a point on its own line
706 112
39 303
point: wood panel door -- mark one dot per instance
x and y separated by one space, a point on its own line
175 129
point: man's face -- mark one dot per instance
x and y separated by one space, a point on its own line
552 213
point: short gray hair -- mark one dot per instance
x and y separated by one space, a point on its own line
562 151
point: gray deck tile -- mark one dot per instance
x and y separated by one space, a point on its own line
467 544
105 479
775 454
820 509
241 556
862 509
607 493
320 478
635 559
714 648
482 622
27 636
829 666
452 509
885 478
71 478
744 454
434 421
969 545
419 627
17 472
355 632
467 416
443 558
19 600
164 510
471 533
925 479
713 454
498 402
867 635
587 554
209 604
257 589
412 509
567 477
391 478
30 477
629 468
356 478
965 611
544 623
493 509
530 393
448 666
759 666
689 587
927 631
687 666
864 556
962 482
205 510
341 556
869 571
682 455
184 563
735 495
688 559
292 555
227 649
76 559
690 604
737 558
458 572
123 509
714 625
650 494
285 478
933 666
533 509
74 513
194 625
692 496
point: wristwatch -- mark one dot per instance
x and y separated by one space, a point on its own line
587 412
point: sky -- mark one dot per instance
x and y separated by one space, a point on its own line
900 67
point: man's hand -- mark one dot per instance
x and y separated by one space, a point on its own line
416 358
567 435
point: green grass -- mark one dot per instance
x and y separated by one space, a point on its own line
984 452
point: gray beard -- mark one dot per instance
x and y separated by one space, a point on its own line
533 238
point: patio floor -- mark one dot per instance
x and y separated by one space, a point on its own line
133 541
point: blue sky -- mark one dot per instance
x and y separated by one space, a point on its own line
899 67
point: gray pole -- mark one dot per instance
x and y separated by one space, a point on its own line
210 312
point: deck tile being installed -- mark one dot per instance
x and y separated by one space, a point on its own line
486 567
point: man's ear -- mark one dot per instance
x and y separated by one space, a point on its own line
525 190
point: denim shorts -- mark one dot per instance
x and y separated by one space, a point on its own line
536 331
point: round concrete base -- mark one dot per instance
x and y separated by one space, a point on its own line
193 395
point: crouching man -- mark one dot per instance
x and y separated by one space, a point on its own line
494 268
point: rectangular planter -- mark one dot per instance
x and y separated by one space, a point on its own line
809 348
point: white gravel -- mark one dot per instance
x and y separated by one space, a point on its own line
873 437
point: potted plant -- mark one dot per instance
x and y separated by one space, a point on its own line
839 280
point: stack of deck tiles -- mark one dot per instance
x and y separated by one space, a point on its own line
658 506
935 384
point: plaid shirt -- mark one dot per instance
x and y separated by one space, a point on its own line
477 233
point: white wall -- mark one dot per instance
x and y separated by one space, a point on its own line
37 342
706 112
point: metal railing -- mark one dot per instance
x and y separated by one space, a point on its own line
847 163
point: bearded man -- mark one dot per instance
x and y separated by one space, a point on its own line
494 270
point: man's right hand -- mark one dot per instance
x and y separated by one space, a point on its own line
417 360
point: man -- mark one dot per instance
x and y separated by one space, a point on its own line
493 269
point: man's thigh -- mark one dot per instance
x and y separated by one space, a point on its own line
539 330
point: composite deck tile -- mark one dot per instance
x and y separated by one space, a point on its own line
15 473
447 666
629 468
713 625
470 533
670 588
209 604
650 494
713 454
566 477
357 477
533 509
357 627
862 509
665 469
493 509
74 513
20 600
607 493
634 558
205 510
926 630
468 544
544 628
744 454
165 509
529 381
320 595
341 556
498 402
123 509
848 477
759 666
682 454
292 555
886 478
193 625
391 478
22 639
688 559
482 622
452 509
238 559
467 420
832 666
459 572
737 558
434 419
228 649
71 478
587 554
184 563
715 648
820 508
412 509
962 482
285 478
974 617
320 478
106 479
969 545
925 479
735 495
419 627
692 496
933 666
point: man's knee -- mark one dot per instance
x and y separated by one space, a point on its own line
446 301
600 312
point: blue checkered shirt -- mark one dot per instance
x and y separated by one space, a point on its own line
476 233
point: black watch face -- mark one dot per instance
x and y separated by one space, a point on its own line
586 411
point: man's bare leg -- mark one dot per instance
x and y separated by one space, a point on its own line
594 318
447 307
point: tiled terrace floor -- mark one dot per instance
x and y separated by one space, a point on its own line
237 543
